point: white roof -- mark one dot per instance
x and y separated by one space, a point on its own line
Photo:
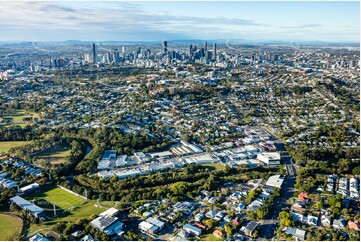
109 212
271 155
146 225
26 205
155 222
275 181
28 187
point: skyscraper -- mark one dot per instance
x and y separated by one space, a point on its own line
214 51
165 46
205 46
94 54
116 55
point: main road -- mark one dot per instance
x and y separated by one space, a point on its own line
271 222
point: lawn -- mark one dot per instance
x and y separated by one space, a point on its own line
6 145
69 207
18 116
56 155
210 237
214 166
9 227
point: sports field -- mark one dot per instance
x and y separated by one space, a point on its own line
56 155
61 198
6 145
68 207
18 117
10 227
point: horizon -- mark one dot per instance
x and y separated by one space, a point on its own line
156 21
241 41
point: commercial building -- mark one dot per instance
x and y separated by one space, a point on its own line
275 181
270 158
107 223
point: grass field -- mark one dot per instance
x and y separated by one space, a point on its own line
9 227
55 155
214 166
5 146
69 207
18 116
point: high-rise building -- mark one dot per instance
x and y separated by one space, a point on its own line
165 46
214 51
87 58
208 55
124 49
205 46
94 54
116 55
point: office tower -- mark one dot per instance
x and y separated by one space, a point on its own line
116 55
202 52
214 51
165 46
205 46
87 57
124 49
94 54
190 48
109 57
353 63
208 55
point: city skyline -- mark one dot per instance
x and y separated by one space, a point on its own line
156 21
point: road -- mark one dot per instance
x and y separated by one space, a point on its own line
271 223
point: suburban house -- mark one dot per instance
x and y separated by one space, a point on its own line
250 228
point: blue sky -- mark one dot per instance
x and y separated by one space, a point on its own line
154 21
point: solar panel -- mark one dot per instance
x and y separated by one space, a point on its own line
105 222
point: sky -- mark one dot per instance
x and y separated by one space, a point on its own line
156 21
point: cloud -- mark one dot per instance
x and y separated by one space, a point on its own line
305 26
96 18
38 21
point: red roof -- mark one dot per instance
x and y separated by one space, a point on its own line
302 196
353 225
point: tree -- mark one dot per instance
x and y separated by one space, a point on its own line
285 219
356 171
229 230
211 223
335 204
178 188
185 137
